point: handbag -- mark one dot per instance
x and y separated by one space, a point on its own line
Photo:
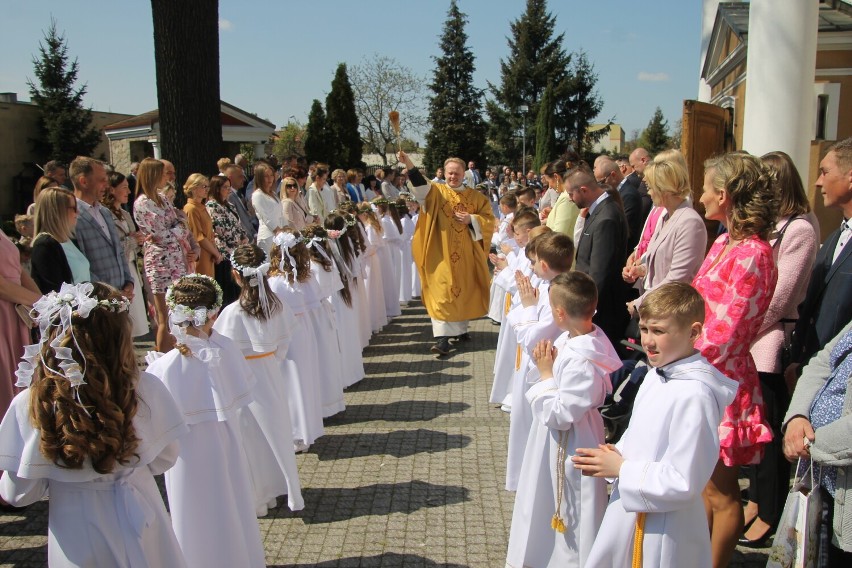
796 542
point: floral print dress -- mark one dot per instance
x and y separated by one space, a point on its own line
164 251
737 290
228 233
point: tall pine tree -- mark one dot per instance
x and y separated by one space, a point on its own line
655 138
545 141
316 148
65 126
586 103
535 58
342 138
455 109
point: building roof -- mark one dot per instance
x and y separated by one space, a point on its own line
231 116
834 16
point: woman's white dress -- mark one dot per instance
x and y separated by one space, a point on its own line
301 366
265 423
210 493
117 519
374 281
321 313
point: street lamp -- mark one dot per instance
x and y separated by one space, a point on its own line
524 109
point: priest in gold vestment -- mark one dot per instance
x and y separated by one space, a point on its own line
450 249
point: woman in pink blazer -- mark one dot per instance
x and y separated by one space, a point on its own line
794 245
679 241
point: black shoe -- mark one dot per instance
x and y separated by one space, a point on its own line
464 337
442 347
761 542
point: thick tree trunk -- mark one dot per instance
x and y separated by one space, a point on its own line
186 52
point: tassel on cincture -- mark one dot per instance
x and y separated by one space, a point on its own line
557 524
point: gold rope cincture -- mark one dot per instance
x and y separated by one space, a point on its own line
518 358
557 523
260 355
508 303
638 537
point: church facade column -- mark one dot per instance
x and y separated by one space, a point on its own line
779 97
155 143
708 18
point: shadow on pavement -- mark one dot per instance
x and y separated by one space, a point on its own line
400 411
30 522
399 444
332 504
425 380
382 560
25 557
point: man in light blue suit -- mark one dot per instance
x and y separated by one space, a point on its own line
95 233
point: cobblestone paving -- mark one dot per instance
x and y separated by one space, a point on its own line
411 474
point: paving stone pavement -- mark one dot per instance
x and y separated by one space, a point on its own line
411 474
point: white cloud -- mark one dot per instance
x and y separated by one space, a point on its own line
225 25
652 77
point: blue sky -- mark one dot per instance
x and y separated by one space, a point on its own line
646 54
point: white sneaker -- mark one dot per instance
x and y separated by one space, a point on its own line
300 446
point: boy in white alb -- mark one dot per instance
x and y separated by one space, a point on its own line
558 511
656 514
524 223
503 240
551 254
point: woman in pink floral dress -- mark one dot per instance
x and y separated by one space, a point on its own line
165 258
737 280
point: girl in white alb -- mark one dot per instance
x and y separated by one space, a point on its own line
261 326
64 436
289 264
317 291
210 492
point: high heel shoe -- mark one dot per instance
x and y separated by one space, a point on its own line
760 542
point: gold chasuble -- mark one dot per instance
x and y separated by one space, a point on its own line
453 266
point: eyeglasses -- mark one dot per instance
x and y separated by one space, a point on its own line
290 186
73 208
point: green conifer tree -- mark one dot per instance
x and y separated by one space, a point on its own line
455 108
65 126
316 148
535 58
545 141
655 138
342 138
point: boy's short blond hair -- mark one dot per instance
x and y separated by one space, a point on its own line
677 300
576 293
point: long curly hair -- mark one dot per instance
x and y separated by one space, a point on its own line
750 183
371 218
100 426
251 255
281 264
318 231
349 211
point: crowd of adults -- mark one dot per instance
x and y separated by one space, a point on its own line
778 305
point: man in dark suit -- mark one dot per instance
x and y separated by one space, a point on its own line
602 250
607 172
95 232
827 306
